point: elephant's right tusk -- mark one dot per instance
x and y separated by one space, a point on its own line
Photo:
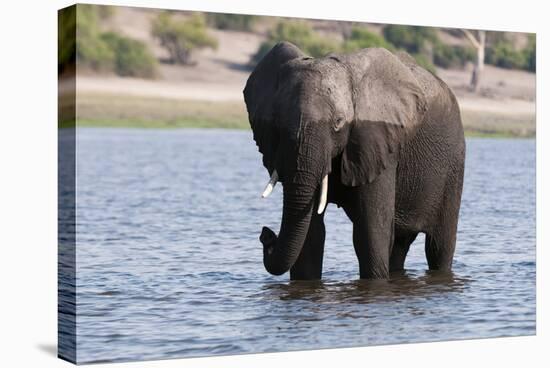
323 195
271 184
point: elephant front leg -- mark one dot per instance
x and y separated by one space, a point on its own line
373 226
309 265
372 247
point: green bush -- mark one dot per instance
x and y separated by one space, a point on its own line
361 38
109 51
91 50
66 33
447 56
424 62
411 38
295 31
319 47
502 52
131 57
182 37
236 22
425 46
418 41
530 54
302 35
504 55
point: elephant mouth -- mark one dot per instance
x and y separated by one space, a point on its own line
323 194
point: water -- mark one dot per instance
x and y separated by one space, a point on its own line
169 263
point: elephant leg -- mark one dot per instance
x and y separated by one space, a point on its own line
441 240
401 245
309 265
373 225
440 247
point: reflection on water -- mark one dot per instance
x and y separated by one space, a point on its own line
400 286
169 262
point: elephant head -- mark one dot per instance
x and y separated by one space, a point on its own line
305 112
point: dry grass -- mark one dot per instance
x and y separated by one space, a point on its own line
151 112
480 123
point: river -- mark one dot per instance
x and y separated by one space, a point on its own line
169 263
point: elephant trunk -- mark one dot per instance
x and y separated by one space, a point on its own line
280 253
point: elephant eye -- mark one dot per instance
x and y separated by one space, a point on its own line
339 124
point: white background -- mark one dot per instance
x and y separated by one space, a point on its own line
28 163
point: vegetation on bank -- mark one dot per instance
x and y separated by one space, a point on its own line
104 49
66 42
98 110
153 112
300 33
503 53
182 37
422 43
234 22
131 57
98 50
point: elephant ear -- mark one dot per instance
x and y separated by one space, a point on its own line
389 107
259 96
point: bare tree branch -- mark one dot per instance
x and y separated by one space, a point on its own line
472 38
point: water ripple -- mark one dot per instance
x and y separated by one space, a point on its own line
169 263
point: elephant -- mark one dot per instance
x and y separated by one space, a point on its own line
370 131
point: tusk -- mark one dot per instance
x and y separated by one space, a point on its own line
271 184
323 195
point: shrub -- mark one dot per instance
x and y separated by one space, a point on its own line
361 38
295 31
319 47
109 51
502 52
91 50
411 38
424 62
236 22
447 56
302 35
530 54
131 57
504 55
418 41
66 32
181 38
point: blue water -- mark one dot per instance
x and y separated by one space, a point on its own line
169 263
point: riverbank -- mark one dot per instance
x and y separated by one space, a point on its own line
112 110
208 94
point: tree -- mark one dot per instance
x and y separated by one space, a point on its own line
479 44
180 38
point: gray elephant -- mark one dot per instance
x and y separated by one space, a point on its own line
370 131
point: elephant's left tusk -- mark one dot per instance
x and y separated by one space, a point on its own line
271 184
323 195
